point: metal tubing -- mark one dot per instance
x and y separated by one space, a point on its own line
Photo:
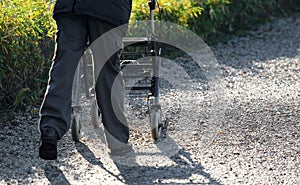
77 84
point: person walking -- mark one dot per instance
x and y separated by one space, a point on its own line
80 22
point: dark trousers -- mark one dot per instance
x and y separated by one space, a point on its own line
73 34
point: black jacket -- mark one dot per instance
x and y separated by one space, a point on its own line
116 12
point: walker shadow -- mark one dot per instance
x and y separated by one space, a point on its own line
181 172
183 169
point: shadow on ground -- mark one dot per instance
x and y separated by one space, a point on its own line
182 172
55 175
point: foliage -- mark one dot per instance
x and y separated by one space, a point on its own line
214 19
179 11
26 44
231 16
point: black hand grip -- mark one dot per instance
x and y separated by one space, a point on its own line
151 4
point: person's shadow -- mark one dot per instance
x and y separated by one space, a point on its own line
133 173
87 154
55 175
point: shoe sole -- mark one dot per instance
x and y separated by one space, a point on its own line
47 154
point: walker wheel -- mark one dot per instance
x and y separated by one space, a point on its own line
76 126
155 125
94 112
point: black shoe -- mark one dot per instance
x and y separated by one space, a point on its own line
48 144
121 150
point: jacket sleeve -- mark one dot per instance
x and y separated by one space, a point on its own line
63 6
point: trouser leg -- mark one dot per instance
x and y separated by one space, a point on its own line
109 84
110 90
71 39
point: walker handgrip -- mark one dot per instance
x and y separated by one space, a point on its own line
151 4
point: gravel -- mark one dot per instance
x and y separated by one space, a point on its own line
249 134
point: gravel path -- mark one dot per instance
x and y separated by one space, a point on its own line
256 141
